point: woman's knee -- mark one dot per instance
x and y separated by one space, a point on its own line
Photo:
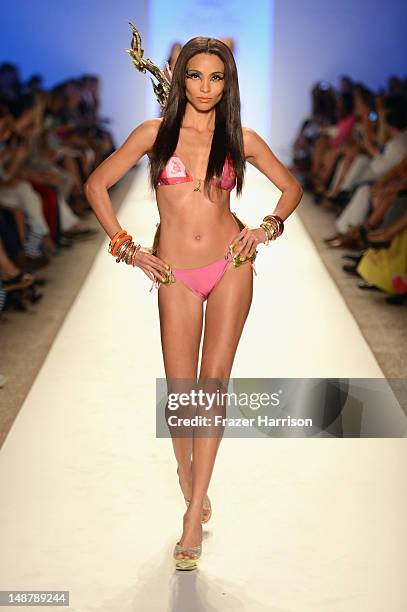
214 375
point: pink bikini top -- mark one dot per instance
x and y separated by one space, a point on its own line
176 172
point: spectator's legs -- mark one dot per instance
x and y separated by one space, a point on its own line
328 163
320 147
357 169
397 210
60 178
356 211
20 223
23 196
7 265
67 217
9 235
71 166
66 184
342 170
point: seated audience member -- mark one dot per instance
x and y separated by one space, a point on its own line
386 268
331 143
356 211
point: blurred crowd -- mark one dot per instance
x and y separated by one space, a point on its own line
351 156
50 141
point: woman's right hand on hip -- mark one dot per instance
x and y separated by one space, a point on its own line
154 267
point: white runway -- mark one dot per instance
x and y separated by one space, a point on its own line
89 497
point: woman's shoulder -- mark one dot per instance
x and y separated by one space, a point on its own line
249 134
147 131
250 139
151 126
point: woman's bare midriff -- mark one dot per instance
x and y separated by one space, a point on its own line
194 231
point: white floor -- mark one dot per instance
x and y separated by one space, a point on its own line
89 496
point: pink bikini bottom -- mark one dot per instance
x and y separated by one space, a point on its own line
202 281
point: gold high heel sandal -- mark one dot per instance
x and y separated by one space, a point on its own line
191 563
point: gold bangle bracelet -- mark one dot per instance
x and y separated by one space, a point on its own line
267 234
275 228
271 228
126 251
121 251
130 254
277 219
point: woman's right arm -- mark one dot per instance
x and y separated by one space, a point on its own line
140 141
113 169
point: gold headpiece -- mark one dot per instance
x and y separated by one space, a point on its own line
136 53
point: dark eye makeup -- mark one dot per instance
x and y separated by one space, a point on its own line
217 77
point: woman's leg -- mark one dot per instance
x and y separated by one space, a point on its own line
356 170
20 221
23 196
71 166
227 308
329 161
343 167
7 265
181 318
320 147
356 211
69 220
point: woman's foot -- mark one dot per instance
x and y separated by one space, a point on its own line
345 241
188 548
333 237
368 286
21 280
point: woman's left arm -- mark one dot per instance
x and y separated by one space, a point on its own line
259 154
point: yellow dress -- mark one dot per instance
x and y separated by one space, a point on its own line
380 266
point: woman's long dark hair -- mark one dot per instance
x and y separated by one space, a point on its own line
228 135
